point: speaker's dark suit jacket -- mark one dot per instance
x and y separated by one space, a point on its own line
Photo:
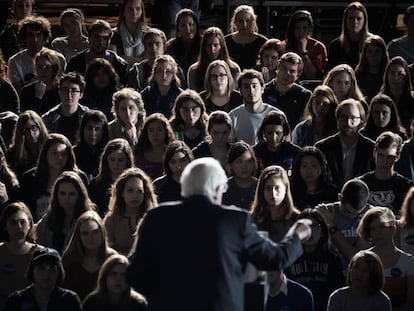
191 256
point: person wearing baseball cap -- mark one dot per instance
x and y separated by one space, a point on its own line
46 274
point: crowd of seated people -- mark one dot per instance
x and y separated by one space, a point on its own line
96 127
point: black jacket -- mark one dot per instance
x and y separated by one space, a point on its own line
191 255
60 299
363 162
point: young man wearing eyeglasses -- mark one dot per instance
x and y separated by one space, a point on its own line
65 117
349 154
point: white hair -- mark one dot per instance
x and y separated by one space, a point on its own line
202 177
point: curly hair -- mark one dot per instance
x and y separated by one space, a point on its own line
164 59
129 94
177 121
94 67
144 143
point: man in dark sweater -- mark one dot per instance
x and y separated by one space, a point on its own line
284 93
100 34
387 187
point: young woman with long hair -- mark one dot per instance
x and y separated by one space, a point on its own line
56 156
273 209
185 47
112 291
28 137
116 157
341 79
189 119
72 22
213 47
217 144
346 48
131 196
177 156
68 201
382 116
312 182
244 40
152 143
18 242
219 84
299 40
318 118
242 167
371 67
93 136
85 253
164 86
397 85
102 82
127 38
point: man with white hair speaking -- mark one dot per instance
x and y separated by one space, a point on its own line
191 254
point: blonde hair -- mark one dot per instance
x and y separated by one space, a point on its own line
245 9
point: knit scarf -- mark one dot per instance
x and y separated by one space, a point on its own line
132 43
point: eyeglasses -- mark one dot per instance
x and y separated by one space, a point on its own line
344 117
218 76
70 91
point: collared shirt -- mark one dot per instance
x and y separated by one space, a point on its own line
348 156
283 288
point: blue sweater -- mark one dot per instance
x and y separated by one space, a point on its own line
299 298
